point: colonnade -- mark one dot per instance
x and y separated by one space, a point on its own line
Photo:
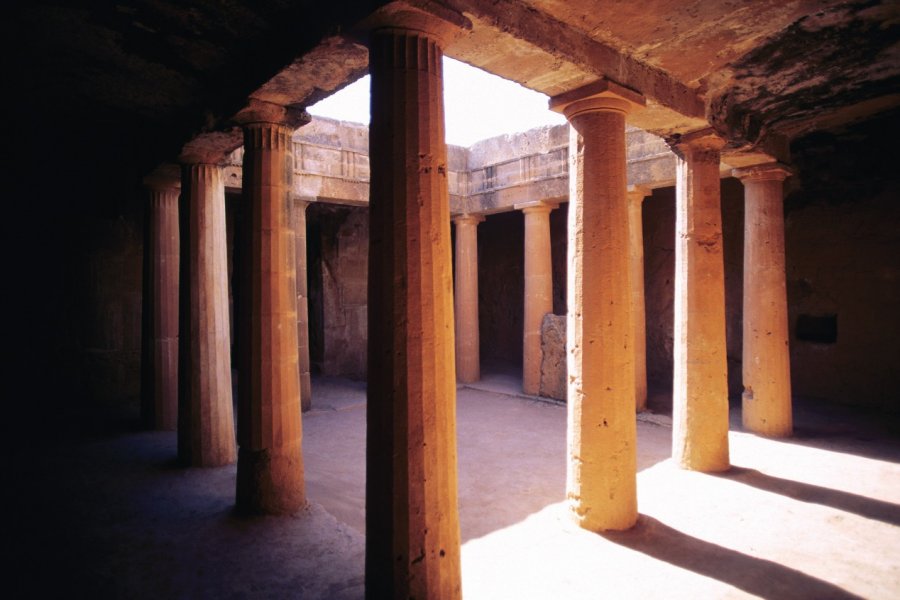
412 529
606 339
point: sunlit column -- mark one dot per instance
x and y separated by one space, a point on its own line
468 361
700 389
601 474
538 290
636 195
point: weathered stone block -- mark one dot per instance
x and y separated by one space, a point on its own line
553 363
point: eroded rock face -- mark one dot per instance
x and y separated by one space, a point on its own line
553 364
825 69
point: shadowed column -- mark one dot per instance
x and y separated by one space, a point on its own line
270 460
766 356
468 361
159 393
636 195
538 290
700 389
302 304
412 523
601 470
205 412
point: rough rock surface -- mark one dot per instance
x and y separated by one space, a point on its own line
553 365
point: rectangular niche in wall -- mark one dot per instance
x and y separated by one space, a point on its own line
821 329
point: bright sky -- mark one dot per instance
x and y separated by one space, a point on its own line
477 105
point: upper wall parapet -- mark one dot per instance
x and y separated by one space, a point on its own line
331 164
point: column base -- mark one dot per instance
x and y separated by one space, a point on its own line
755 419
270 482
601 520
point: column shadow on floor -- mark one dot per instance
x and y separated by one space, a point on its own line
863 506
756 576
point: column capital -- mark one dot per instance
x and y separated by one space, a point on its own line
601 95
773 171
165 177
430 19
536 206
467 218
703 145
260 112
637 193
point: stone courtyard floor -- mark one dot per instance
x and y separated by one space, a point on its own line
817 516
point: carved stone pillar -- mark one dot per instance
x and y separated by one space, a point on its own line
601 474
468 361
636 195
270 459
159 361
538 290
205 412
412 523
700 390
766 355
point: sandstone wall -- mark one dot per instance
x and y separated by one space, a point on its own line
843 261
103 305
341 279
554 372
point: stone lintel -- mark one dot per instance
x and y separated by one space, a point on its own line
260 111
536 205
706 138
602 94
429 18
772 171
212 148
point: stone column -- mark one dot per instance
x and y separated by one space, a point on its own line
700 390
205 412
601 473
302 303
766 357
538 290
412 524
270 460
636 195
159 389
468 362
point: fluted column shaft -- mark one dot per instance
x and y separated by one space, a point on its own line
468 361
302 304
636 195
766 355
700 389
205 412
601 469
159 404
270 461
538 291
412 526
